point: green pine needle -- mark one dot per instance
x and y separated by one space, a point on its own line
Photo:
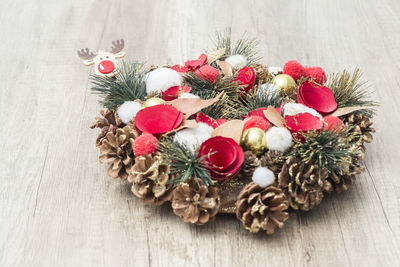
184 163
329 149
244 46
349 91
128 85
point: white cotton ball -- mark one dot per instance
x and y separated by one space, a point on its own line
291 109
128 110
267 88
161 79
263 176
237 61
188 95
193 137
278 138
275 70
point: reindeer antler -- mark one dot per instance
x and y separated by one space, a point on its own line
118 45
85 54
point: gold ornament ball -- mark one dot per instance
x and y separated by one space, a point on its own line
254 139
283 82
153 102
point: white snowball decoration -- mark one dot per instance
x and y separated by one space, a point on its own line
275 70
267 88
263 176
188 95
237 61
161 79
278 138
193 137
128 110
292 109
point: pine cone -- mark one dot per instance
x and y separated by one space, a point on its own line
262 208
117 149
342 182
150 179
262 73
303 183
363 125
273 160
249 164
108 122
195 203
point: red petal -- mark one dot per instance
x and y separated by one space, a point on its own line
333 123
173 92
221 121
158 119
179 68
246 78
222 156
195 64
256 121
317 97
303 122
201 117
207 72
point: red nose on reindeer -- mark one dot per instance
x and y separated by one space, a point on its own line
106 66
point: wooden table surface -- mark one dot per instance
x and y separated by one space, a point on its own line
59 208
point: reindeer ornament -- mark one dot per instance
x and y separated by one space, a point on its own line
105 63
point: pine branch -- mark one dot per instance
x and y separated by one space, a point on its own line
349 91
261 99
329 149
206 90
245 46
128 85
184 163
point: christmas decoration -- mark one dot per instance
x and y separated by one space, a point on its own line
254 139
227 134
262 208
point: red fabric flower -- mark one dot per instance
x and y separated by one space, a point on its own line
316 73
201 117
208 73
173 92
246 77
158 119
332 123
145 144
294 69
303 122
222 157
256 121
193 65
180 69
317 97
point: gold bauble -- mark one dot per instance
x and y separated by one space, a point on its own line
254 139
153 102
283 82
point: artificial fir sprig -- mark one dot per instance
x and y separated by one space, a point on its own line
127 85
331 149
349 91
244 46
260 99
184 162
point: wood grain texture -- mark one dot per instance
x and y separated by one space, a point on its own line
59 208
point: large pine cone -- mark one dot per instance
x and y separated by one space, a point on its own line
250 163
195 203
342 182
303 183
117 150
363 125
262 208
150 178
273 160
107 122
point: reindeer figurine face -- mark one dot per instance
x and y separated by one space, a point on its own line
105 63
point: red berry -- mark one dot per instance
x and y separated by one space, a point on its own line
317 74
256 121
294 69
145 144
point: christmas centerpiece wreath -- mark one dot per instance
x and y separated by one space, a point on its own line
226 134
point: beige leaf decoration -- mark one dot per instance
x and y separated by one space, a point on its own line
346 110
190 106
226 68
274 117
214 55
232 129
187 124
